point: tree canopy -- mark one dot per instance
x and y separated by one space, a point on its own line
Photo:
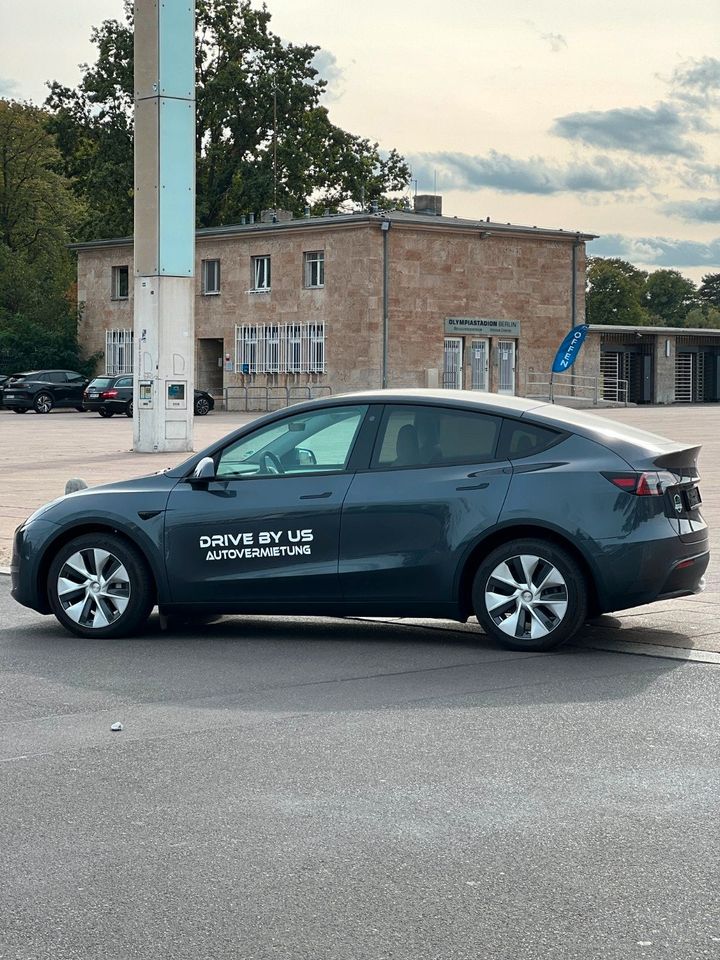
259 111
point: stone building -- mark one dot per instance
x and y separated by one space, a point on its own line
350 301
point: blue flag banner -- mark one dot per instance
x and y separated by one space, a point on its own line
570 348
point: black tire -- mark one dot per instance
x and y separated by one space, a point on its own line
43 403
20 409
80 409
556 611
105 413
129 409
202 407
134 586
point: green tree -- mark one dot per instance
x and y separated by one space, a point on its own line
264 139
615 291
704 316
709 290
669 296
38 319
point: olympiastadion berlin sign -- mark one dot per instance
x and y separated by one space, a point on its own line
483 326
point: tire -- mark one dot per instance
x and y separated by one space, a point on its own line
80 409
106 413
202 407
19 409
544 614
99 585
129 409
43 403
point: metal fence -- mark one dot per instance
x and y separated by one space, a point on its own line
241 398
570 386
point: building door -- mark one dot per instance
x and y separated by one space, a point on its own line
452 375
479 365
209 365
684 377
506 367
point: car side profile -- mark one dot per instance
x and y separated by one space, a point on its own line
44 390
114 394
413 503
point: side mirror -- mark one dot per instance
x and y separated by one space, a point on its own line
204 471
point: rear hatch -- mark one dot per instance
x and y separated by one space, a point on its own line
658 466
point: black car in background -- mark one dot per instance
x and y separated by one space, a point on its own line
43 390
110 395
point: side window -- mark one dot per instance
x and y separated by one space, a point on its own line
124 382
315 442
75 377
526 439
430 436
54 376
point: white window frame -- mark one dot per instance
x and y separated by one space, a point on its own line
261 274
116 274
314 269
280 348
211 266
119 352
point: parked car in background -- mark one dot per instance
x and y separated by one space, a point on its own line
43 390
3 381
110 395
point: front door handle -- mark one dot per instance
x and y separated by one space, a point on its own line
316 496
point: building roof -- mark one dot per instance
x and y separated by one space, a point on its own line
400 218
660 331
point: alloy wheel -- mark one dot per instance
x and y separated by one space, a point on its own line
202 407
526 597
93 587
43 403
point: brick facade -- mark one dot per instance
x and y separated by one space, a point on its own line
438 267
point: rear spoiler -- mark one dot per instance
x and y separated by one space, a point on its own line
678 460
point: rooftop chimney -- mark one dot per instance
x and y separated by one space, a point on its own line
428 204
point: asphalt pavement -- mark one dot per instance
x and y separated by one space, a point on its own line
332 789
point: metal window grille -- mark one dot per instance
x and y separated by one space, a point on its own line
280 348
211 276
315 268
120 283
118 352
261 273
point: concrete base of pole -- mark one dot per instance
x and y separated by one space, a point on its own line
164 364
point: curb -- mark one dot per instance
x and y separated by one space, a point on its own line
4 571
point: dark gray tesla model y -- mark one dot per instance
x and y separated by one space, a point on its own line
411 503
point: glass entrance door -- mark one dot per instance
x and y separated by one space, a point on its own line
506 367
452 375
479 365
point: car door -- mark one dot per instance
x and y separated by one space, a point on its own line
433 486
265 531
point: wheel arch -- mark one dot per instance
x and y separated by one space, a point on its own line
80 530
518 531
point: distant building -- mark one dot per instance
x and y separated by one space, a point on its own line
317 302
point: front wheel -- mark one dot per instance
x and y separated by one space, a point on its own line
530 595
43 403
202 407
99 585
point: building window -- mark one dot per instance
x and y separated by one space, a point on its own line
261 274
280 348
120 283
118 352
315 268
210 277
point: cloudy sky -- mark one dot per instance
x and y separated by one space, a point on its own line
603 118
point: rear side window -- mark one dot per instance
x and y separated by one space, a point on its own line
431 436
101 382
526 439
124 382
54 376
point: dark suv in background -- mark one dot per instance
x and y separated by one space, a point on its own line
110 395
42 390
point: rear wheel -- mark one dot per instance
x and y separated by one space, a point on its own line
20 409
99 585
530 595
105 413
80 409
202 407
129 409
43 403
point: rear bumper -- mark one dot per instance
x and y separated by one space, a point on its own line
633 574
17 401
114 406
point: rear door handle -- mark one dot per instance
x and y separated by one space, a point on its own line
316 496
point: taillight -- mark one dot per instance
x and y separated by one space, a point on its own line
646 484
108 394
